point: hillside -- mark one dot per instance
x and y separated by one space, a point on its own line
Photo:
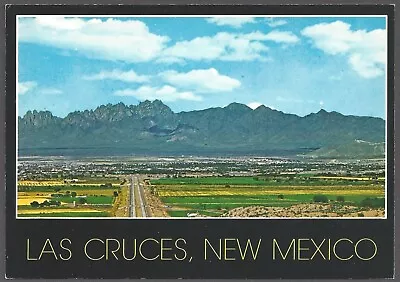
357 148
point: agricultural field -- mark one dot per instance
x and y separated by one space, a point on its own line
216 196
60 198
194 186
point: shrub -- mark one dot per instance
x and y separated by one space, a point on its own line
360 214
280 196
340 198
115 194
373 202
73 194
320 199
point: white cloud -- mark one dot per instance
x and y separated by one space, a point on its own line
365 50
275 22
226 46
275 35
282 37
367 65
170 60
254 105
131 40
165 93
26 86
235 22
50 91
116 74
109 39
202 80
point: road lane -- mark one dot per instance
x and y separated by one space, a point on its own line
132 205
141 201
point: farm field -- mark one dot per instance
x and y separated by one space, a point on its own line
49 198
197 186
215 196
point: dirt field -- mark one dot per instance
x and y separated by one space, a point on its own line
305 210
156 206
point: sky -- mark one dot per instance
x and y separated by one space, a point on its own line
293 64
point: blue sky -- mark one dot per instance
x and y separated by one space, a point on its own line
295 65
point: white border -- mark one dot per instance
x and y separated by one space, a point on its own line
204 16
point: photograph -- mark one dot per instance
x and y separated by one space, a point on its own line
201 116
203 141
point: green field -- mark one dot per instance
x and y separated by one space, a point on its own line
53 198
91 200
66 187
307 180
212 196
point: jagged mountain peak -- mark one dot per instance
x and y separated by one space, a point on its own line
153 108
150 124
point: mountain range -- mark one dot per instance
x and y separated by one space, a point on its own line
151 127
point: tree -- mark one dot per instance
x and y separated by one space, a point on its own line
82 201
280 196
115 194
320 199
73 194
45 204
35 204
340 198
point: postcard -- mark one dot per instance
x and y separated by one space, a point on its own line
200 141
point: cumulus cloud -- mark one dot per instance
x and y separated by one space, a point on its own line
116 74
228 46
201 80
26 86
235 22
108 39
275 22
131 40
165 93
365 50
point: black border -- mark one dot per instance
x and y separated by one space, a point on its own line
15 226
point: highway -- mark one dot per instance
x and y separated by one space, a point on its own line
141 199
138 201
132 206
